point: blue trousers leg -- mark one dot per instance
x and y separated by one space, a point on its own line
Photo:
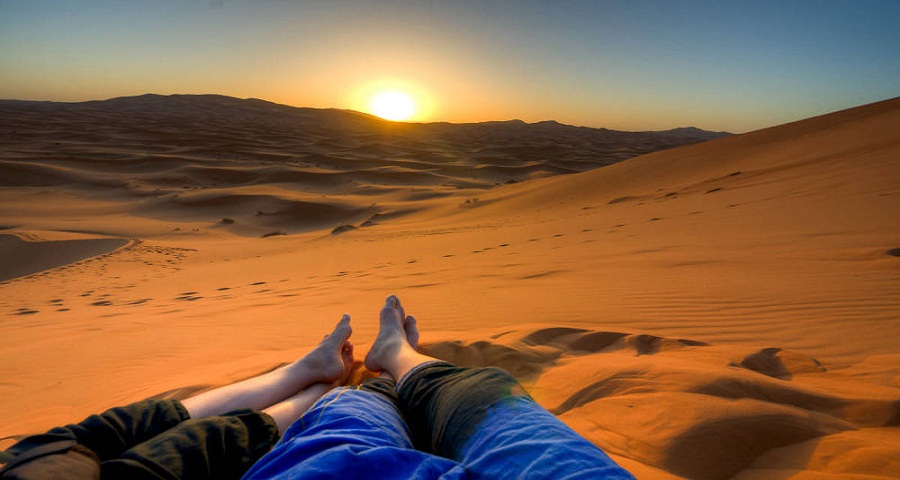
352 433
483 418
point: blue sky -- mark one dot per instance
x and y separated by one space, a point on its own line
635 65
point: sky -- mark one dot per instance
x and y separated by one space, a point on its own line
627 65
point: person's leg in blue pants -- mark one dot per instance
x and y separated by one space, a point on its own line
479 417
352 433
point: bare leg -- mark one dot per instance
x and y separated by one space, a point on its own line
289 410
325 364
394 349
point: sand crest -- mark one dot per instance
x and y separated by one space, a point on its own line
29 252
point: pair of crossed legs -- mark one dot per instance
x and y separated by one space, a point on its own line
423 418
287 392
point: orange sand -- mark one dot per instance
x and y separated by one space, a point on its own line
728 309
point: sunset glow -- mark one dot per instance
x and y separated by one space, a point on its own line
620 65
392 105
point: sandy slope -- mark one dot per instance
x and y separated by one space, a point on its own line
727 309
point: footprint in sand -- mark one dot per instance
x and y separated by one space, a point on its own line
542 274
188 296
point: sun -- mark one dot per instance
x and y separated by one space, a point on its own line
392 105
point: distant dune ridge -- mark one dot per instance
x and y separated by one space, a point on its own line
202 156
724 309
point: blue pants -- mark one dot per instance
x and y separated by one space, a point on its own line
440 421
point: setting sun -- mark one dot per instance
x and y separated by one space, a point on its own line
392 105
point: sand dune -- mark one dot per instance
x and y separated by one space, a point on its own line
153 153
729 404
721 310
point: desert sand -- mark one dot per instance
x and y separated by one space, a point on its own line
727 309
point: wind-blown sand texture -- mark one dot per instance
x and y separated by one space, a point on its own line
721 310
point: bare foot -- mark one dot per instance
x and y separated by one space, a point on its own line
332 359
392 337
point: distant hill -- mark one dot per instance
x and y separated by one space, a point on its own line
567 148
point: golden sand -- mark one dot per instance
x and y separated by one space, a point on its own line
728 309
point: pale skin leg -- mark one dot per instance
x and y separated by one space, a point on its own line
394 350
288 411
311 376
